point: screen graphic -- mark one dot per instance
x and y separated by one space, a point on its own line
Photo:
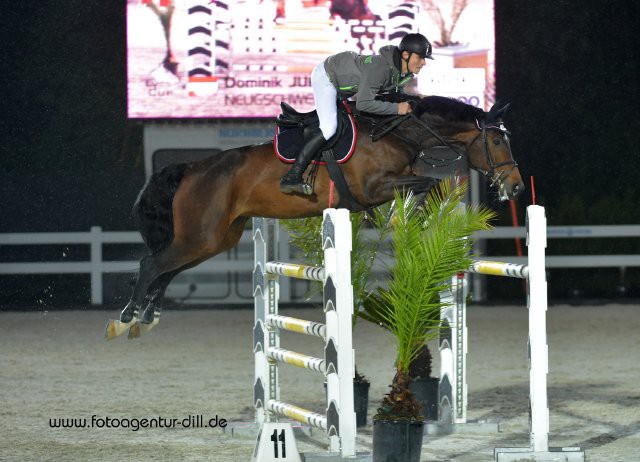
241 58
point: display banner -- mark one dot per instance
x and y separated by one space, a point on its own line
241 58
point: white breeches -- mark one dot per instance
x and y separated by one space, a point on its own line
325 96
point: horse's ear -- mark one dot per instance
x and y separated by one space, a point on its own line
492 114
503 110
496 112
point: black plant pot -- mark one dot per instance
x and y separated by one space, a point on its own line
397 440
361 402
425 389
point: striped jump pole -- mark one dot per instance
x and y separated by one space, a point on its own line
337 366
208 45
452 344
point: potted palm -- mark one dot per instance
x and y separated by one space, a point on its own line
305 235
430 245
423 386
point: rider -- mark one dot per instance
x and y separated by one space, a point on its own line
365 77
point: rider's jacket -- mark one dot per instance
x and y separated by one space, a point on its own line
365 76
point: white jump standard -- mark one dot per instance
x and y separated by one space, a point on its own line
452 344
453 348
538 353
338 363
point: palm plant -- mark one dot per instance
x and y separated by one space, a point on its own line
431 244
305 234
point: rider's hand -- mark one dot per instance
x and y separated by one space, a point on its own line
404 108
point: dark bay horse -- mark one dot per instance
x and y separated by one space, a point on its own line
187 213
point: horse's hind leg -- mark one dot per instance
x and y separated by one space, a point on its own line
129 315
156 292
179 255
151 314
152 267
147 275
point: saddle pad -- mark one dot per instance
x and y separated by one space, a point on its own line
288 141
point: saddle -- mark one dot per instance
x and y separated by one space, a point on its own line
294 128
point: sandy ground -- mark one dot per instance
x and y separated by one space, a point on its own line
57 365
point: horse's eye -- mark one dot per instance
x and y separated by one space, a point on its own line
496 141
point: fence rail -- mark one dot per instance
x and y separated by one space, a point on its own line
96 266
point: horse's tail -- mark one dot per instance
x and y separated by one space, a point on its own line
153 212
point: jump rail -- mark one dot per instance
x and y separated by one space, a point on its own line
453 347
338 363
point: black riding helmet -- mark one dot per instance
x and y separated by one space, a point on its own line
416 43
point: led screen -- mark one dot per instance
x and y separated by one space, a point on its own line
241 58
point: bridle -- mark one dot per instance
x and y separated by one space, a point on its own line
493 174
495 177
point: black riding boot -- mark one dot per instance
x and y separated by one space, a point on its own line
292 182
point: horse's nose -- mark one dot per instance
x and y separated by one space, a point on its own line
517 189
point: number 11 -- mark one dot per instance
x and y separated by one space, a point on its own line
275 438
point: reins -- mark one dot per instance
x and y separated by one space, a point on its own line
389 124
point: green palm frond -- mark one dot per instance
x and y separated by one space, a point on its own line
306 235
430 244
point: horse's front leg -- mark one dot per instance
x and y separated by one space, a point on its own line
415 184
385 190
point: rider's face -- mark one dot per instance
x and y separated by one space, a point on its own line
416 62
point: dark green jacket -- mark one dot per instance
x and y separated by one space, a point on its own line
368 76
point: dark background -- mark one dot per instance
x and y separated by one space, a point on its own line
72 160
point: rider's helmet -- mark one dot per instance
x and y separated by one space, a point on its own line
416 43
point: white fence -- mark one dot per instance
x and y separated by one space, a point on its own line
234 262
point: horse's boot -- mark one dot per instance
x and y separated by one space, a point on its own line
292 182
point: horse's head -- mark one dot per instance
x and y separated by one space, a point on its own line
490 153
482 135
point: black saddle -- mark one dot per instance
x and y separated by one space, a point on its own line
289 113
294 128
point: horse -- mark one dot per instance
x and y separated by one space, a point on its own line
190 212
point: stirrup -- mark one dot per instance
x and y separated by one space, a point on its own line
298 188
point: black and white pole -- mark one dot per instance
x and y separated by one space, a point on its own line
452 389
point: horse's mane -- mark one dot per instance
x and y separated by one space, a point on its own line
447 109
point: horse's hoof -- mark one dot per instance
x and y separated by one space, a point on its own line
140 328
134 331
115 328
